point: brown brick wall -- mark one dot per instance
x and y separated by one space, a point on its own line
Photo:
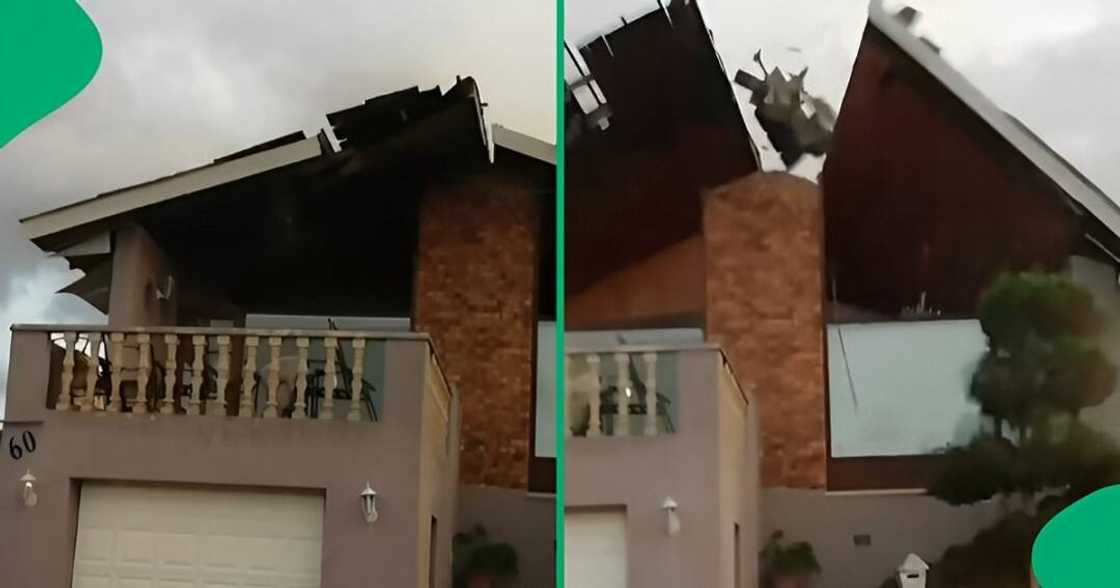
475 284
763 249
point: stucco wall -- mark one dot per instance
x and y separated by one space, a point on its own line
525 521
332 458
637 473
897 525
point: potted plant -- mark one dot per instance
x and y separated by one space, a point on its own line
787 565
480 562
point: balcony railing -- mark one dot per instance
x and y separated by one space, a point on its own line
627 391
248 373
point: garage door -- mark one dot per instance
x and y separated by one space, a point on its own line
158 537
595 548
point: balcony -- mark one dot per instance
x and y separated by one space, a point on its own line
647 424
202 371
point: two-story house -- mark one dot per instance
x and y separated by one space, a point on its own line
846 306
318 363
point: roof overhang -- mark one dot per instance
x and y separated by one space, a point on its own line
142 195
1064 175
524 144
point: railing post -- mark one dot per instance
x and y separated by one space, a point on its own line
622 420
86 402
63 402
326 410
144 367
359 346
248 403
194 406
594 422
270 408
117 340
223 375
650 362
300 409
167 405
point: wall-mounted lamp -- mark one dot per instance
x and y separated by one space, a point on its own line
30 496
672 519
369 504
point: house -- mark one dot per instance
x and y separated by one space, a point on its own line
318 362
846 308
662 454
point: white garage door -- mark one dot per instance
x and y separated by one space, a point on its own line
158 537
595 549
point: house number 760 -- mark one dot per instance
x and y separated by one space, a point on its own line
26 444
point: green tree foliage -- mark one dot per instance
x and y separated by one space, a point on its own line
1042 368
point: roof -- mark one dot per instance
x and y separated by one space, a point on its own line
1064 175
381 131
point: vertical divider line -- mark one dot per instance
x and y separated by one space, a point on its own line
560 372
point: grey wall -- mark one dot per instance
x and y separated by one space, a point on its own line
526 521
898 525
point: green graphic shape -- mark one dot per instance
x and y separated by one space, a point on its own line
1077 548
49 51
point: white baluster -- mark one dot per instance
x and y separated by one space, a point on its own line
248 403
300 411
63 402
167 405
622 420
650 362
356 380
140 404
198 375
117 341
594 426
86 403
222 378
326 410
271 405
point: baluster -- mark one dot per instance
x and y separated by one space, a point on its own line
594 424
622 420
140 404
63 402
86 403
568 404
117 341
167 405
222 377
300 410
198 374
248 403
650 361
326 410
359 346
270 411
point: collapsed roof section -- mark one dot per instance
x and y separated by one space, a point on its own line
295 206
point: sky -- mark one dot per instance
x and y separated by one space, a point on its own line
182 82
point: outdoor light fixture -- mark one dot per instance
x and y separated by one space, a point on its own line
30 497
369 504
673 520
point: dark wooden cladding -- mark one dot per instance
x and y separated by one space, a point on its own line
921 195
675 131
916 472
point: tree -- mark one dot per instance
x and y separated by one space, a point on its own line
1041 369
